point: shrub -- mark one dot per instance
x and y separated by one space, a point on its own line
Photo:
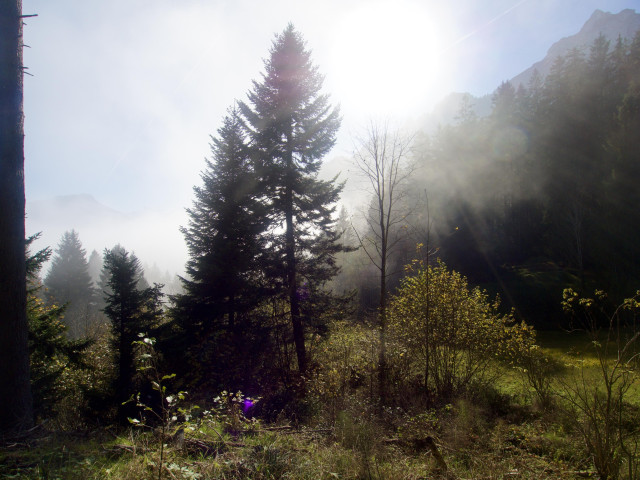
538 371
452 333
345 362
596 401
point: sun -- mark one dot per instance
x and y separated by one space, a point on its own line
386 58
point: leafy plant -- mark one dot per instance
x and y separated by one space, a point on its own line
538 371
232 410
346 361
597 405
168 411
450 332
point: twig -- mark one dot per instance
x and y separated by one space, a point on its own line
282 427
21 436
126 448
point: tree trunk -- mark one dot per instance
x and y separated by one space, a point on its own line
16 412
382 361
294 303
290 251
124 373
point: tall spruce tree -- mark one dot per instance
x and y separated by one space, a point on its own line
225 223
68 281
132 311
292 126
224 273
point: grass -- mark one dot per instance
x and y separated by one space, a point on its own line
496 436
270 455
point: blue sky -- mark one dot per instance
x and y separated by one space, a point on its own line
125 93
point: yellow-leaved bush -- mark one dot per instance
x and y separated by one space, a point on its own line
450 334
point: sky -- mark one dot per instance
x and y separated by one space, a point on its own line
126 93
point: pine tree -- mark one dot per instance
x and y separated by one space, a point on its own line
94 266
225 222
51 352
69 282
131 311
292 126
224 273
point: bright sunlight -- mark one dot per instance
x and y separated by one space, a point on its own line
386 58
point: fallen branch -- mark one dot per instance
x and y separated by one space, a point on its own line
275 429
15 439
421 444
125 448
431 445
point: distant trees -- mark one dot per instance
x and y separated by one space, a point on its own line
545 182
291 126
131 311
69 282
51 352
94 266
15 394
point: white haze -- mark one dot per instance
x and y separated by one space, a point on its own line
126 93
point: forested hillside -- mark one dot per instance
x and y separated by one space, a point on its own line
541 194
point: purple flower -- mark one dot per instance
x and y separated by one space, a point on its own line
246 405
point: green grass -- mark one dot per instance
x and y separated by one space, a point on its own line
500 435
294 455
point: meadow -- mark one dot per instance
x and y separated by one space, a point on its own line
505 430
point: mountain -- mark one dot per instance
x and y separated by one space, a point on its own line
71 211
154 236
611 25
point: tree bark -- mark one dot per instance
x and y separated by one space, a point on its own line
290 251
294 303
382 360
16 412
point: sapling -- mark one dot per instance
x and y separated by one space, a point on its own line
168 411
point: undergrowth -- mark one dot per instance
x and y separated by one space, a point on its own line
503 431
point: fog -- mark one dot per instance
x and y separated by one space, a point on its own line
125 95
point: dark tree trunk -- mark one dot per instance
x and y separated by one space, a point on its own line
382 361
294 303
290 248
124 373
15 390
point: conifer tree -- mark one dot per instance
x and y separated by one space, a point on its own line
291 127
51 352
69 282
225 222
132 311
94 266
225 279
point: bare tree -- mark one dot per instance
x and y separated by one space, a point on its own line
382 158
15 390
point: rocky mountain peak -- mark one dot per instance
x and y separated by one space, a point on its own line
624 24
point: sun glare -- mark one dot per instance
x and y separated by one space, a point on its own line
386 58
